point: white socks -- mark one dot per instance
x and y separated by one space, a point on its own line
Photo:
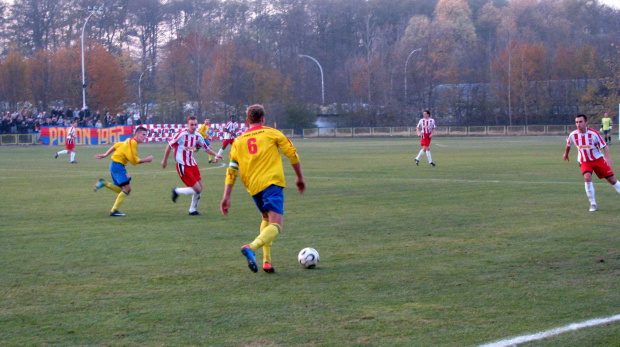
419 155
428 155
189 191
617 186
185 191
64 151
590 193
72 156
195 201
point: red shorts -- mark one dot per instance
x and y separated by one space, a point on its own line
425 141
189 174
70 145
227 142
598 166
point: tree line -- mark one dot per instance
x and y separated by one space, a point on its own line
374 62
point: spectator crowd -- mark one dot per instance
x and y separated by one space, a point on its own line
30 122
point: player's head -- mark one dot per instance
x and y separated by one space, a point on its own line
255 113
232 117
207 121
140 134
426 113
192 124
581 121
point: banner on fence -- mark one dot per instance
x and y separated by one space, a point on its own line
56 136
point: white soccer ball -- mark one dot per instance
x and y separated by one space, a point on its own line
308 258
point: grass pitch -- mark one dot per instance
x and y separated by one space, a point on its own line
494 242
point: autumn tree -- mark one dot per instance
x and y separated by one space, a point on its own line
40 78
172 80
106 88
67 76
13 79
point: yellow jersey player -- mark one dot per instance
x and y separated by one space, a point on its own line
124 152
207 133
256 156
606 125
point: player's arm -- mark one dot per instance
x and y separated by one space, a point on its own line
212 152
566 151
164 161
109 151
299 182
231 177
133 155
607 157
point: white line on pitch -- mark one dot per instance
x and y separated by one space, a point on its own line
548 333
448 180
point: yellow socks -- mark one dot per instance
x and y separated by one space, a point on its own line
120 199
267 246
266 236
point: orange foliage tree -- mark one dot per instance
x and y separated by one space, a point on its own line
67 76
105 82
13 81
40 77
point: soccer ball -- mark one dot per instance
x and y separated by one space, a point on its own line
308 258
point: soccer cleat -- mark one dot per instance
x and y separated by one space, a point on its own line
249 254
268 268
215 161
174 195
417 162
593 208
195 213
74 162
56 156
116 213
432 164
98 185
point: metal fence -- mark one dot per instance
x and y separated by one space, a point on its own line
19 139
481 130
477 130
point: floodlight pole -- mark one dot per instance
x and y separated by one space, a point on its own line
407 63
322 84
140 87
92 11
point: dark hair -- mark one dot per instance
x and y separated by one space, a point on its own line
192 118
255 113
585 118
427 111
140 129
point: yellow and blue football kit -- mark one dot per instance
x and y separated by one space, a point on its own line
256 155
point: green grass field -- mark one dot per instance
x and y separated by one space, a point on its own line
495 242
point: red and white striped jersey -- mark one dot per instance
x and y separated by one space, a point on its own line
588 144
230 130
426 126
184 145
70 135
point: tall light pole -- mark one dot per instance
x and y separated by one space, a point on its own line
92 10
322 84
140 87
407 63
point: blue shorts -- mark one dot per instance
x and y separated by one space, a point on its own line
270 199
120 177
